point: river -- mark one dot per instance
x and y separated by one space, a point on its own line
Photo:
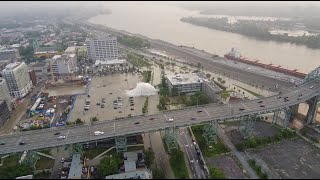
163 22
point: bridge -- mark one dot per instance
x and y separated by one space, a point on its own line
246 111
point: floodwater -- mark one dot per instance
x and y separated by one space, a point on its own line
163 22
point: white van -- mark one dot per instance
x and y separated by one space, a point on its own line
87 107
97 133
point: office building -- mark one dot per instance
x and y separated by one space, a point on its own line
18 79
4 93
40 70
64 65
102 48
184 83
8 54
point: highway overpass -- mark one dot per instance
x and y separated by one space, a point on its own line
45 138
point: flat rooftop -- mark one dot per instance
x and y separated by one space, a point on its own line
178 79
110 62
76 167
139 174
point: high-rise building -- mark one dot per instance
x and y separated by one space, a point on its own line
102 48
4 112
64 65
18 79
4 93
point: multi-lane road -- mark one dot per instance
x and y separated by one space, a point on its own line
45 138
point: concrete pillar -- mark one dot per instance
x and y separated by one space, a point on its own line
312 111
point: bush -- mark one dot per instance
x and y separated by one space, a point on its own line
216 173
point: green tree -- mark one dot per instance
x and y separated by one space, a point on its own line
94 119
15 171
79 121
208 76
149 157
109 166
199 65
216 173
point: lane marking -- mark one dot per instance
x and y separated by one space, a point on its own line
245 106
206 112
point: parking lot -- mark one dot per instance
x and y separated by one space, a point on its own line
109 87
296 159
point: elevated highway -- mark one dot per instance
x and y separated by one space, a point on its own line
45 138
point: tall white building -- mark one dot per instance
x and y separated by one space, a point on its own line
18 79
64 65
102 48
4 93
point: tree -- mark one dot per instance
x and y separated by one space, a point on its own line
14 171
94 119
208 76
199 65
79 121
149 157
108 166
216 173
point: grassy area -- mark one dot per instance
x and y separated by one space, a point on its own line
255 142
146 76
257 169
216 149
225 94
92 153
11 161
46 151
137 60
178 164
44 163
251 92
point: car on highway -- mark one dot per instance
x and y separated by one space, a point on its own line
62 137
199 111
170 120
132 104
57 133
98 104
262 106
130 97
311 87
115 107
132 109
120 111
137 123
102 105
2 143
22 143
97 133
152 118
241 109
193 118
279 97
260 101
299 98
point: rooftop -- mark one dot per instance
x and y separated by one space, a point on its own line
110 62
178 79
38 65
139 174
76 167
71 49
12 65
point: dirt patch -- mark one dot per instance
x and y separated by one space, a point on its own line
228 166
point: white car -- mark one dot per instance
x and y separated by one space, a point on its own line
311 87
97 133
62 137
170 120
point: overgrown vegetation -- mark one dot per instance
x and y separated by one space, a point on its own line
148 157
178 164
251 92
255 142
44 163
137 60
256 29
215 173
146 76
216 149
11 169
257 169
145 105
109 166
133 42
92 153
224 94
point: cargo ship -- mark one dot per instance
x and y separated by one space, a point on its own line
235 55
